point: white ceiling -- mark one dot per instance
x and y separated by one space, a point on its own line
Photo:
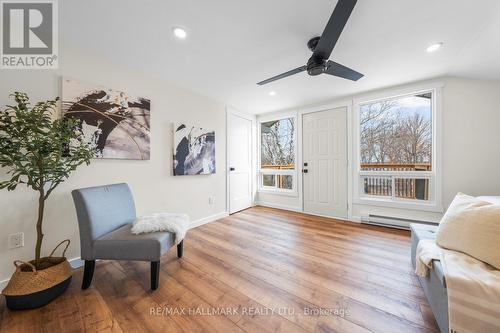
232 44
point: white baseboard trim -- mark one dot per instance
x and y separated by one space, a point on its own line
208 219
278 206
356 219
76 262
338 218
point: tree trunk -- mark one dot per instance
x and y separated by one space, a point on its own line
39 233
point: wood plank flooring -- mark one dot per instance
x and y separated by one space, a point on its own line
260 270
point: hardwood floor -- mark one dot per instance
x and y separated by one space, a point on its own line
244 266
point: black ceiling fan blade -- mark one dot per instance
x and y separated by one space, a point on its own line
342 71
334 28
281 76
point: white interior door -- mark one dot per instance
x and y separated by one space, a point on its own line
325 162
239 136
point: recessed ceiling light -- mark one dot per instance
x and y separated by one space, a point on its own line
180 33
434 47
272 93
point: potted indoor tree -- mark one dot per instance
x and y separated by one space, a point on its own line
40 150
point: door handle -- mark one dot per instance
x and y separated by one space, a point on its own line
231 169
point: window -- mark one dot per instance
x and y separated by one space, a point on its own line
277 155
395 149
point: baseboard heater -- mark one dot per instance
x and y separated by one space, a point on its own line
391 222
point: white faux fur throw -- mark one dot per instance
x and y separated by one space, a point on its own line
177 224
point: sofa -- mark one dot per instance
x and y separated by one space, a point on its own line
434 285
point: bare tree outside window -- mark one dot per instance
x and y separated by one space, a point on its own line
396 135
277 144
278 151
397 131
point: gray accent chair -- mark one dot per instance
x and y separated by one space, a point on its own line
434 284
105 216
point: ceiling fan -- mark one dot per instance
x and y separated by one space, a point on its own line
322 48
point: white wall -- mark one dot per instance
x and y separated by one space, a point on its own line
470 154
154 188
471 138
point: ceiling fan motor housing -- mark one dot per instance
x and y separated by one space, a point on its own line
316 66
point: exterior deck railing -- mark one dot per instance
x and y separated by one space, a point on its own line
406 188
280 167
395 167
281 179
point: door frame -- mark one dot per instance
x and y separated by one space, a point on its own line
232 111
347 104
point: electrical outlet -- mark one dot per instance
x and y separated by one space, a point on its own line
211 200
16 240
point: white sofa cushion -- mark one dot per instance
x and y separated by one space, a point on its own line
472 226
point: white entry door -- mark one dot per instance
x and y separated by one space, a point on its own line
325 162
239 138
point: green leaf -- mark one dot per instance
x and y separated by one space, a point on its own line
32 141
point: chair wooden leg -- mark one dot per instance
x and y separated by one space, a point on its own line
88 273
155 274
180 249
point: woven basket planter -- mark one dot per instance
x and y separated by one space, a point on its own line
30 287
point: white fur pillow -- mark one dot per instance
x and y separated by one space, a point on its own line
472 226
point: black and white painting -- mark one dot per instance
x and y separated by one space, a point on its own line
194 150
114 122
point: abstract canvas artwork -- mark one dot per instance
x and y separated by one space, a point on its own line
194 150
115 123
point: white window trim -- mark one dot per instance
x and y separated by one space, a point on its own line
269 189
434 204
